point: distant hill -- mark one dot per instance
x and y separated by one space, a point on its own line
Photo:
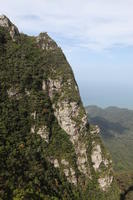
116 126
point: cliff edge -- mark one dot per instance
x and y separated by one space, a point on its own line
49 151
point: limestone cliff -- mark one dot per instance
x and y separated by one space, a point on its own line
40 82
5 22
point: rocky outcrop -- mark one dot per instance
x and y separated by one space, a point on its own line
56 163
67 114
105 182
45 42
14 92
5 22
95 130
96 157
32 129
54 86
69 172
43 131
101 162
67 169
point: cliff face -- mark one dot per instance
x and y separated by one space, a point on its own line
12 29
42 119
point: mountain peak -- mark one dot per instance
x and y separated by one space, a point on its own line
6 23
46 42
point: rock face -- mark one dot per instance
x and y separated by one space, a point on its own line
5 22
105 182
53 112
96 157
65 113
45 42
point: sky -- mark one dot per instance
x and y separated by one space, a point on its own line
96 37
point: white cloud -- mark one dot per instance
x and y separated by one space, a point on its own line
97 24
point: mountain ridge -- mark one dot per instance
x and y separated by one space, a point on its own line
48 150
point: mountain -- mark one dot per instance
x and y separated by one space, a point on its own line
47 149
116 126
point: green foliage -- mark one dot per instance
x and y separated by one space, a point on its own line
26 172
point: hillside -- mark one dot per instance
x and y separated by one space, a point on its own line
116 126
125 181
47 149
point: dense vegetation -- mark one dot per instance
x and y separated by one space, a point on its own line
25 170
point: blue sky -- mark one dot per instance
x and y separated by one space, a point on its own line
96 37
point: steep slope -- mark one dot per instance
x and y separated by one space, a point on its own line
116 126
47 148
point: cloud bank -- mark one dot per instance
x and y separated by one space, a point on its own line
97 24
